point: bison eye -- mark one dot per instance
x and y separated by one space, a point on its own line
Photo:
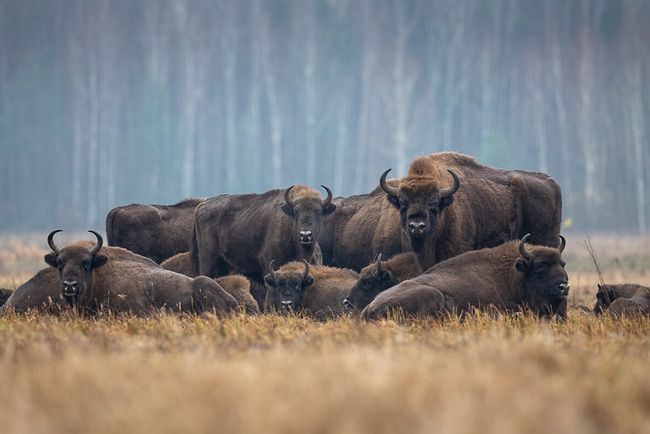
86 264
366 285
539 268
403 204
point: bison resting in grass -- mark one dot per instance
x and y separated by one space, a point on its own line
318 291
623 299
242 233
449 204
381 275
95 278
155 231
506 278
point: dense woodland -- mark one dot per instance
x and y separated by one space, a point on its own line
107 102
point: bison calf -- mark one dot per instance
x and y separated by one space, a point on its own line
381 275
623 299
94 278
319 291
506 278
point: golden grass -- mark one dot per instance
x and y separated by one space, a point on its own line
170 374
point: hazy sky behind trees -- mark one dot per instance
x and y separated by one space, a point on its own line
108 102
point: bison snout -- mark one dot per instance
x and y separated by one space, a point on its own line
306 237
70 287
348 304
286 304
416 227
564 289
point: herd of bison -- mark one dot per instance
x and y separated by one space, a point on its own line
453 235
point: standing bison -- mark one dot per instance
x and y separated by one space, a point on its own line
94 278
155 231
243 233
623 299
449 204
318 291
507 278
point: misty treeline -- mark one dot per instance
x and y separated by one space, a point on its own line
107 102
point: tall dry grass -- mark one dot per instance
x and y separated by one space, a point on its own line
170 374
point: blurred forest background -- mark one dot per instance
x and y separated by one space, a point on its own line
107 102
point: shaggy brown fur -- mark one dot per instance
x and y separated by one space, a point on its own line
118 280
362 227
490 207
320 293
623 299
236 285
155 231
494 278
374 279
243 233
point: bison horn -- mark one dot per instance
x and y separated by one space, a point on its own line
391 191
100 243
306 272
379 269
286 196
50 241
562 244
446 192
271 270
329 196
522 248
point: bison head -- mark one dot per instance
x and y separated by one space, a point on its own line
604 297
75 264
373 279
286 288
307 210
546 283
420 201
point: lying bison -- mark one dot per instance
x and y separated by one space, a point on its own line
94 278
242 233
507 278
318 291
623 299
381 275
449 204
155 231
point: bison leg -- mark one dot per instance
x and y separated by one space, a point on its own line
417 300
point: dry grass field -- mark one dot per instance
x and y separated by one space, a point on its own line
171 374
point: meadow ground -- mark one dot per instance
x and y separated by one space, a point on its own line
510 374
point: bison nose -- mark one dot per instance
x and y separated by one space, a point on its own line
286 304
416 227
347 304
70 287
305 236
564 288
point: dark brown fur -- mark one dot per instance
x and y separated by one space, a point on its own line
623 299
393 271
122 282
4 295
236 285
493 278
490 207
155 231
243 233
320 294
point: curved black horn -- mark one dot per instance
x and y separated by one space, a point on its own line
379 269
50 241
329 195
562 244
392 191
271 270
100 243
522 248
286 196
306 272
446 192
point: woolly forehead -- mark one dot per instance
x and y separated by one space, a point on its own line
304 192
544 254
421 185
77 248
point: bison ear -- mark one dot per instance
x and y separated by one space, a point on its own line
386 276
308 280
329 209
522 265
99 260
50 259
288 209
269 280
446 201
